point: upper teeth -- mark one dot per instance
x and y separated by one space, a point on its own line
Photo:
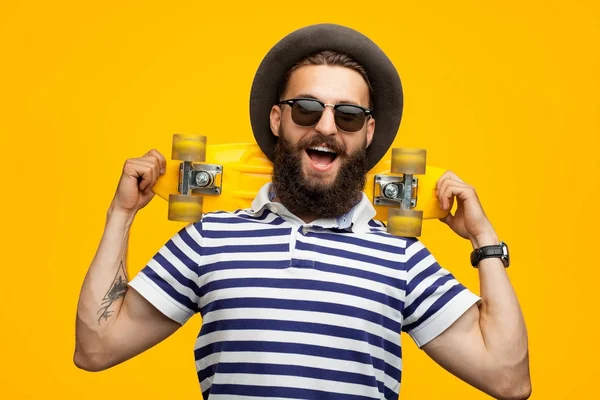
321 148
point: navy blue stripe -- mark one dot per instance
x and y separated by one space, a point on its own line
187 239
431 288
239 219
180 255
409 240
308 327
230 219
428 272
176 274
335 251
377 224
274 391
168 289
301 284
207 233
241 212
288 370
304 305
252 248
436 306
390 394
394 250
385 234
244 213
250 264
398 284
296 348
417 258
207 372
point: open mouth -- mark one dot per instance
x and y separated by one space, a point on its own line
321 156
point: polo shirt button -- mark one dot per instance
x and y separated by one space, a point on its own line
304 230
273 209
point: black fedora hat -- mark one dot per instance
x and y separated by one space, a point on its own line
384 79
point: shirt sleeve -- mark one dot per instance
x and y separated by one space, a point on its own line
170 279
434 298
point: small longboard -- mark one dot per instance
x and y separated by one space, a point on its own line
201 178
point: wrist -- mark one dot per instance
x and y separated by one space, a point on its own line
118 214
486 239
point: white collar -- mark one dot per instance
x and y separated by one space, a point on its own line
356 220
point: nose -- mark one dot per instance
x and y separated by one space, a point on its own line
326 124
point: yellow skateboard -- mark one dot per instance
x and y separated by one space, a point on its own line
226 177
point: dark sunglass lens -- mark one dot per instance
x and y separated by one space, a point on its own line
349 118
306 112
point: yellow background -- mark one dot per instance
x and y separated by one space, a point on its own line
505 93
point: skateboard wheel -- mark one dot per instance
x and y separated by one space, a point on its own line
185 208
189 148
408 161
405 223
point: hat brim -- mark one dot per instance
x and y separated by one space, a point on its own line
384 79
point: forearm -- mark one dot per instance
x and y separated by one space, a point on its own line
103 289
501 319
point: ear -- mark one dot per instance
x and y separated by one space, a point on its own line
275 119
370 130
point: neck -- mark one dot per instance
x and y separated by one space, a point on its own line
307 219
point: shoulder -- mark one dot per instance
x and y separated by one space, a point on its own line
409 250
378 230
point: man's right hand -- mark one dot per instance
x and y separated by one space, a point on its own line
134 190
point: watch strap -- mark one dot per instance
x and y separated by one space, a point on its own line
493 251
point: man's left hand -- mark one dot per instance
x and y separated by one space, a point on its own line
469 221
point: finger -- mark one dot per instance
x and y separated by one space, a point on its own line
453 190
448 182
445 179
453 176
155 162
152 169
162 162
441 180
464 194
146 178
140 170
445 176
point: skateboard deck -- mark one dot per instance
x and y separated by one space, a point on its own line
201 178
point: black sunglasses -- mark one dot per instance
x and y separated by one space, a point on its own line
308 112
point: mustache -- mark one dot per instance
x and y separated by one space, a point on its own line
319 139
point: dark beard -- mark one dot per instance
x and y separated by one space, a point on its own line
314 198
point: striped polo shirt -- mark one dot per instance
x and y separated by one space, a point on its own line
301 311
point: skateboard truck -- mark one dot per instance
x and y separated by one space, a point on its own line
404 220
391 190
200 178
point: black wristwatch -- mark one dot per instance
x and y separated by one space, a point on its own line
499 250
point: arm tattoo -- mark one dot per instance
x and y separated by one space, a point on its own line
117 290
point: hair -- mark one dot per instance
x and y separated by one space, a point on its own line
332 58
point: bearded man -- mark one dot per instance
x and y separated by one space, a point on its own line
304 295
